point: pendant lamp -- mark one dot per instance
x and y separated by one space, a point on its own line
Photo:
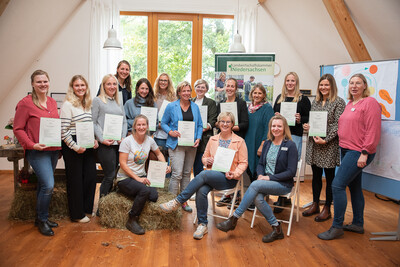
112 42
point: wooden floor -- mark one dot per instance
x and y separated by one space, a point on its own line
84 245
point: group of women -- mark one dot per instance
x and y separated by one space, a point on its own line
266 147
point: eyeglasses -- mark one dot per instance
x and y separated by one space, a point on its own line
225 122
164 81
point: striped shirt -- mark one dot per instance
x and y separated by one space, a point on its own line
69 116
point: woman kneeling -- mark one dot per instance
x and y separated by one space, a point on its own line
207 180
275 172
131 178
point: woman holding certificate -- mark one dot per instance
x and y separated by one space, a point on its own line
182 121
144 98
323 152
132 178
295 107
275 172
43 159
109 129
208 105
359 133
209 179
78 149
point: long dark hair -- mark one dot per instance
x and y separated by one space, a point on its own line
150 95
128 80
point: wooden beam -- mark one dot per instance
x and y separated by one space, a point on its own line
3 5
347 30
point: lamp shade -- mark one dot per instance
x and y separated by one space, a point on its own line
237 46
112 42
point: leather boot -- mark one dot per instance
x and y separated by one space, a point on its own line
313 209
49 223
324 215
274 235
134 226
228 225
282 201
45 229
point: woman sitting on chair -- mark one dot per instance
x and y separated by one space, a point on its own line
275 172
207 180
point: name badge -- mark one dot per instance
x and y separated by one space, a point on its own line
284 148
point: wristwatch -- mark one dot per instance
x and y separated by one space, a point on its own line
364 152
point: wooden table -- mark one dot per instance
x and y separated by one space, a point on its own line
14 155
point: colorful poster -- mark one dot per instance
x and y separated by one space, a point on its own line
381 78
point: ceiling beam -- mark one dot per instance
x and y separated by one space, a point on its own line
3 5
347 30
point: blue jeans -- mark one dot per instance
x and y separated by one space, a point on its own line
43 163
256 192
202 184
349 175
298 140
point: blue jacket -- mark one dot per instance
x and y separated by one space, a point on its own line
173 114
286 162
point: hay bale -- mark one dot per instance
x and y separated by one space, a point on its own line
23 206
114 212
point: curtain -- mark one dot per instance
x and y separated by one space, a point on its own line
102 61
246 21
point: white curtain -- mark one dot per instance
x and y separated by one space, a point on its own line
246 21
102 61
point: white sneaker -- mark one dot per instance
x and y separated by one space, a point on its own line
193 198
170 206
200 231
84 220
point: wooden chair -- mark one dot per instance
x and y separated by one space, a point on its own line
235 190
294 195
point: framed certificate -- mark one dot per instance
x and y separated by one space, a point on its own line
151 114
85 134
113 127
318 123
186 129
223 159
50 132
230 107
156 173
288 110
204 114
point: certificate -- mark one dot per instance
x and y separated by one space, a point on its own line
204 113
288 110
156 173
151 114
50 132
186 129
85 134
162 109
230 107
113 127
318 123
223 159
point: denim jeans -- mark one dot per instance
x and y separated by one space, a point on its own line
349 175
298 140
256 192
182 158
43 163
202 184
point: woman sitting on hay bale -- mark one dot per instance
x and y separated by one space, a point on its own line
207 180
131 178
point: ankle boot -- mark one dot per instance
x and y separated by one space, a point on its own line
313 209
134 226
274 235
324 215
228 225
282 201
45 229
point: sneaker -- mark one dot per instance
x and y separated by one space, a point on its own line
83 220
193 197
353 228
225 199
170 206
186 207
200 231
331 234
252 207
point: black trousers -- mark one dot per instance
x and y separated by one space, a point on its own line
317 183
80 170
108 157
140 192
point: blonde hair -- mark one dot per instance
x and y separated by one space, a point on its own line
286 129
262 88
35 97
201 81
86 102
103 94
332 92
297 94
180 86
170 89
226 114
140 116
366 91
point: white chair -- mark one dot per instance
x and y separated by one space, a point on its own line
235 190
294 195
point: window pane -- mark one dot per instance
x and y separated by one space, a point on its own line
134 34
217 36
175 49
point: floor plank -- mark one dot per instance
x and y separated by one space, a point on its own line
83 245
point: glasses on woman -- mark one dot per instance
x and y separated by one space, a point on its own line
225 122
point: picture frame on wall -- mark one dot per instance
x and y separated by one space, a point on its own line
59 98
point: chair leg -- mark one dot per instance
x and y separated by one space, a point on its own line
195 219
233 202
254 217
213 201
291 218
